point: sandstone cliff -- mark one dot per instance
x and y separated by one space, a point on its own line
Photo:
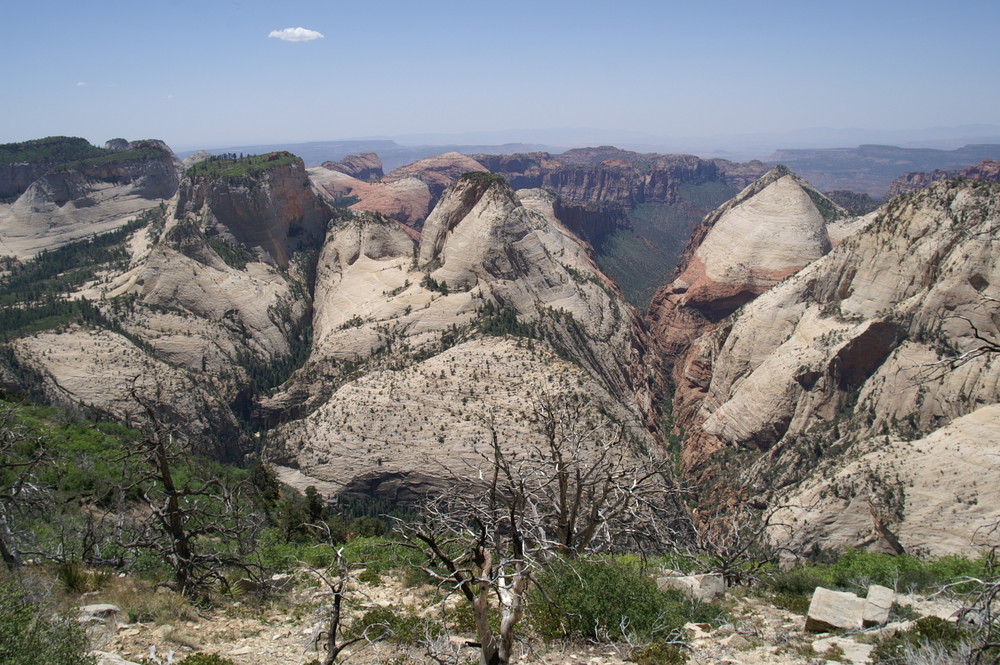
887 335
611 175
77 199
212 308
271 210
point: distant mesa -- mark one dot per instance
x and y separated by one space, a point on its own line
63 189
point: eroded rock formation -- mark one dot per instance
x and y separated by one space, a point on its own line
883 336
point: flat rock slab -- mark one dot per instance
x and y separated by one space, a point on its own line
834 609
854 652
703 587
877 605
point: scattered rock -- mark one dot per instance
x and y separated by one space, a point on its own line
281 583
724 630
105 658
240 651
702 587
738 642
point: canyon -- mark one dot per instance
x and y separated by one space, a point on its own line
369 332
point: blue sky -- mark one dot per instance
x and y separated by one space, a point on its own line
205 73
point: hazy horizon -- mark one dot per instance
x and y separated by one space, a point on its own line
652 73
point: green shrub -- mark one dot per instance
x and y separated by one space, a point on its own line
659 653
606 599
380 554
398 624
855 570
206 659
927 634
30 635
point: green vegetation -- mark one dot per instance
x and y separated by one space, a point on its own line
659 653
432 284
610 599
398 624
235 255
482 176
206 659
855 570
62 270
229 165
642 258
853 202
32 293
53 149
499 320
115 157
934 635
31 635
827 208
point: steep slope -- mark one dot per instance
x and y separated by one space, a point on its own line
210 306
23 163
79 198
637 210
419 345
769 231
894 333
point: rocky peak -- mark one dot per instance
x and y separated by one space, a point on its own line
436 172
473 196
770 230
494 306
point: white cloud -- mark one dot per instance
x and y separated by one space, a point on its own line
81 84
296 35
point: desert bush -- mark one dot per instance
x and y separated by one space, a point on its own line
396 624
855 570
930 637
608 600
659 653
206 659
31 635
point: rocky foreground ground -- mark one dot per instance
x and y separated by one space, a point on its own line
284 630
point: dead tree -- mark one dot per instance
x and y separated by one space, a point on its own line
581 489
188 521
336 578
982 608
733 541
22 454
